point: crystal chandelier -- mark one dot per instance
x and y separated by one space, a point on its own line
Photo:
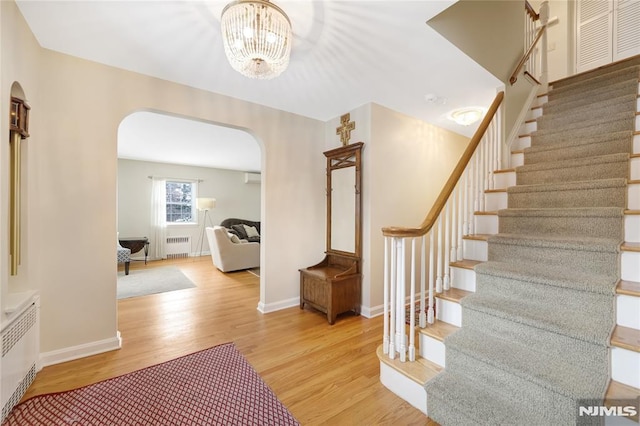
257 38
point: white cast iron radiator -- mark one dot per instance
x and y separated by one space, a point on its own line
20 349
178 247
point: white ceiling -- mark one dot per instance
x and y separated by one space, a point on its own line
345 54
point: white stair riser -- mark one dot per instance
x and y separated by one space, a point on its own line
534 113
633 198
464 279
637 122
632 228
540 100
404 387
521 142
529 127
504 180
432 349
475 250
449 312
625 367
517 159
494 201
488 223
636 144
630 269
635 168
627 308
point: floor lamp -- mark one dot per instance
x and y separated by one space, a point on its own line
204 204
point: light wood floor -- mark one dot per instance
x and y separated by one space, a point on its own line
323 374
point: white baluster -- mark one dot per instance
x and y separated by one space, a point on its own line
461 213
439 261
392 301
400 325
432 255
385 329
447 245
454 223
412 298
423 281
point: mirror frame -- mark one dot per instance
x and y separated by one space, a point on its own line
340 158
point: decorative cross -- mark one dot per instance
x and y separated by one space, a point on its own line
345 128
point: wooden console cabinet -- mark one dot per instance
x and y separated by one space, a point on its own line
333 286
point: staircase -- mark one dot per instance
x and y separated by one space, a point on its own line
543 312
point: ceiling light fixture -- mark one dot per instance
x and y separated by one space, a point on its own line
257 38
466 116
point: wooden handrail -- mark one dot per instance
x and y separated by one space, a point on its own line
525 58
440 202
531 11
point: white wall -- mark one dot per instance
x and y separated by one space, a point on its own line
77 106
234 198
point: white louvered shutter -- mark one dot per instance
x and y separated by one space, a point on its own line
595 33
626 24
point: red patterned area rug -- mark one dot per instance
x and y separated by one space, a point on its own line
216 386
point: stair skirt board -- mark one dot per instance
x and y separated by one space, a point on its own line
534 337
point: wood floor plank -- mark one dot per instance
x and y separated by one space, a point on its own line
324 374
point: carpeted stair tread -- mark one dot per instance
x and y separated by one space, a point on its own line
619 91
472 403
604 70
574 169
550 241
597 112
579 148
590 255
569 186
605 222
606 124
553 317
557 374
596 83
551 276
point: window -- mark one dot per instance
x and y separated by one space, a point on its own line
181 200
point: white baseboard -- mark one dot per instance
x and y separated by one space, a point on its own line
80 351
371 312
265 308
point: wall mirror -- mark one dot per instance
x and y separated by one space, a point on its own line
344 199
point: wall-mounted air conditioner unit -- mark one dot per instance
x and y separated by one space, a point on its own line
252 178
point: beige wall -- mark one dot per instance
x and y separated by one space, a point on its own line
405 165
77 107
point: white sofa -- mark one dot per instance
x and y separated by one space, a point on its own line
229 256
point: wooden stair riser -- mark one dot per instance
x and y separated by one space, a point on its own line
630 266
627 308
625 367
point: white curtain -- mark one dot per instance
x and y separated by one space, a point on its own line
157 243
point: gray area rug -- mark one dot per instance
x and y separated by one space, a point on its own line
141 282
534 337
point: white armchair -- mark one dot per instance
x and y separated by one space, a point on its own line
229 256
